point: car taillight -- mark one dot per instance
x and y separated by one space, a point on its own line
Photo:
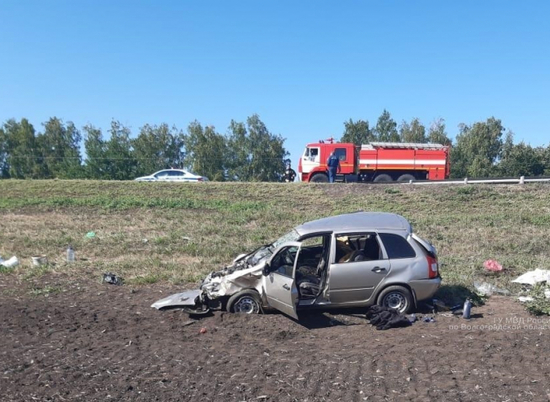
433 267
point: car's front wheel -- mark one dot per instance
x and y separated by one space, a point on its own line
245 301
396 297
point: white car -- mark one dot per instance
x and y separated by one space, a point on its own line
173 175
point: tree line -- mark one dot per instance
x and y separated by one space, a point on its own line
247 152
482 149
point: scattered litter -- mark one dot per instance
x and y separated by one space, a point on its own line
467 309
41 260
144 241
112 279
533 277
492 265
202 330
487 289
439 305
70 254
412 318
11 263
386 318
90 235
525 299
428 319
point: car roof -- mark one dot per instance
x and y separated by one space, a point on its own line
356 222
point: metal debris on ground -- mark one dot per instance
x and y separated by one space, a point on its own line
112 279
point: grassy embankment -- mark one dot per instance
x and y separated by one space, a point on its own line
168 232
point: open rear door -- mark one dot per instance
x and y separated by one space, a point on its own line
279 279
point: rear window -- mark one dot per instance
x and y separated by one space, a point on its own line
397 246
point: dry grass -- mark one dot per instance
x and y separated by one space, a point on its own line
167 232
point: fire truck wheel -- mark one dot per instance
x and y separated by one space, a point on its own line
382 178
406 177
319 178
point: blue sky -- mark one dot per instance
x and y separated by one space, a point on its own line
304 66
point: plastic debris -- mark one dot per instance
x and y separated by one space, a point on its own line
467 309
525 299
487 289
412 318
533 277
90 235
492 265
202 330
11 263
70 254
428 319
41 260
112 279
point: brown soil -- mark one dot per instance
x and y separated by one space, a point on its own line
97 342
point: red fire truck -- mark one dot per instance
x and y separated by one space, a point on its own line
375 161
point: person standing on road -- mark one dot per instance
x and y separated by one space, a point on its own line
333 163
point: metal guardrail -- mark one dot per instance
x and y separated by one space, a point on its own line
521 180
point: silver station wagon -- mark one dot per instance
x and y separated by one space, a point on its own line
351 260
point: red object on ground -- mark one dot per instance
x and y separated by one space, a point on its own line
492 265
202 331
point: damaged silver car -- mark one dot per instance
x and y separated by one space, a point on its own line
351 260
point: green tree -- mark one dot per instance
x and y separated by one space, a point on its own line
357 132
267 152
437 133
205 151
386 128
4 167
413 131
158 147
255 154
477 149
545 158
96 165
60 148
238 153
520 159
119 153
23 158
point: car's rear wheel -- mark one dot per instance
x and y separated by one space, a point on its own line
396 297
245 301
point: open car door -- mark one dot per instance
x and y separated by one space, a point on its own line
279 279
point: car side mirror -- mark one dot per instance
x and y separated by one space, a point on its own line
266 269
